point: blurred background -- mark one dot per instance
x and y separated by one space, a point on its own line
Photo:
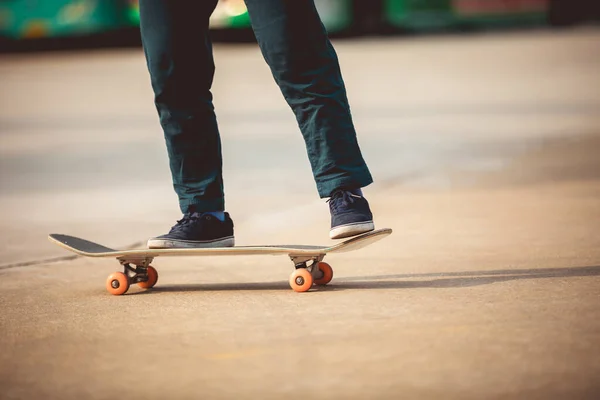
55 23
480 122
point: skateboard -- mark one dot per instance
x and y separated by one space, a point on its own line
309 268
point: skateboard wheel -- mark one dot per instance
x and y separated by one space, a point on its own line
152 278
117 283
327 273
301 280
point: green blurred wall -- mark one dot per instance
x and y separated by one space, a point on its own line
438 14
41 18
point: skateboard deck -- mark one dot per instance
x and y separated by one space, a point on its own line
308 259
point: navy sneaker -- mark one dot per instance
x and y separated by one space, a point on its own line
197 230
350 214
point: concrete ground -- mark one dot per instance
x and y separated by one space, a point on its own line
485 154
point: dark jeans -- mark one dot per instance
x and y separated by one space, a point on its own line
295 45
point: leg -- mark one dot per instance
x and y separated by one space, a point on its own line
179 55
178 52
304 64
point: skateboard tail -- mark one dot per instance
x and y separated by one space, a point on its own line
361 241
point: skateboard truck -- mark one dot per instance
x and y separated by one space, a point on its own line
136 274
301 262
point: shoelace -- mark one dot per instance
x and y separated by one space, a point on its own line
188 219
341 198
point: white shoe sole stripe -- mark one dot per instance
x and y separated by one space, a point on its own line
189 244
352 229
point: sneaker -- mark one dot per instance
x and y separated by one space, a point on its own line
350 215
197 230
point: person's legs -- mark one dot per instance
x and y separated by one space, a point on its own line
304 64
178 49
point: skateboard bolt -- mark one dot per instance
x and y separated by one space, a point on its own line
299 281
115 284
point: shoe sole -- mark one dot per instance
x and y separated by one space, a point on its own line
344 231
189 244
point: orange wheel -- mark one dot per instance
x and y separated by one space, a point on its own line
152 278
117 283
327 274
301 280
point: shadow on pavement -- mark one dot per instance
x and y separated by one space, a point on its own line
463 279
399 281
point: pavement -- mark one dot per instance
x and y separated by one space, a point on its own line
484 149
